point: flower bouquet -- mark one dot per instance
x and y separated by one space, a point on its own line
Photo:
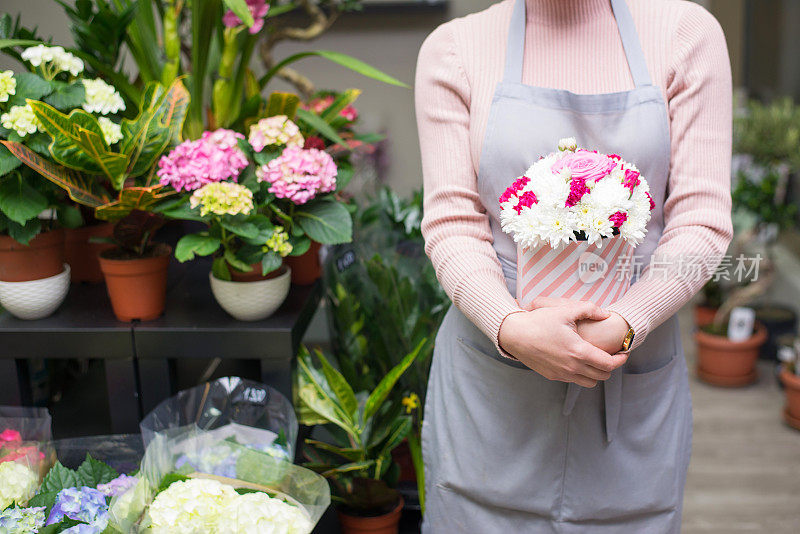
25 453
577 216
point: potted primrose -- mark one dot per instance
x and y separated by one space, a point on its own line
362 431
109 168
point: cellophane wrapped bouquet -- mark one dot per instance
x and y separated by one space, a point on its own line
576 216
25 455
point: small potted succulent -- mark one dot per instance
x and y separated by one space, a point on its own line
363 430
107 165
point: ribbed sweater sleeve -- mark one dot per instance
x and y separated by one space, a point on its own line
458 238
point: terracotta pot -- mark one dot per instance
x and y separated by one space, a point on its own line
42 258
722 362
402 457
306 268
254 274
82 254
704 315
791 384
382 524
137 287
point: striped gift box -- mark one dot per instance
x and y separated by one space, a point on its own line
578 271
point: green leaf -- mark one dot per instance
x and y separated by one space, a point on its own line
159 123
94 472
169 480
18 200
69 216
59 478
270 262
348 453
240 227
318 124
282 104
235 262
133 198
8 162
220 269
6 43
81 188
78 143
344 175
400 429
43 498
379 394
29 86
349 468
66 95
326 221
344 393
239 7
337 57
24 233
196 244
344 99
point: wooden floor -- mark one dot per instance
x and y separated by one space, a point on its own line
745 470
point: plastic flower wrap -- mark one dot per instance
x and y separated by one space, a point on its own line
25 451
18 483
21 119
102 98
299 174
8 85
264 493
576 194
278 130
259 10
222 198
212 158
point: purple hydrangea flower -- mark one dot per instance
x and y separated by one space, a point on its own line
118 486
81 504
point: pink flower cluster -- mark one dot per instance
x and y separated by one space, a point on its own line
617 218
8 436
515 188
318 105
299 174
212 158
11 449
259 10
631 179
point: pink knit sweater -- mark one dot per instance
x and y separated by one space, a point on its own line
575 45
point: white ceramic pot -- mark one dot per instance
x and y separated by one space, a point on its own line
35 299
251 301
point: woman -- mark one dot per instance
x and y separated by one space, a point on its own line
506 450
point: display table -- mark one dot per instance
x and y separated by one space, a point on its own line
137 355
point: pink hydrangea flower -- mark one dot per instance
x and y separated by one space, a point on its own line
318 105
259 10
212 158
526 200
618 218
299 174
275 130
585 165
8 435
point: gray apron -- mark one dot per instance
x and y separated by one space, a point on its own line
509 451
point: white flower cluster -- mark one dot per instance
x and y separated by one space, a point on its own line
21 119
18 483
102 98
53 58
112 132
8 85
207 506
576 194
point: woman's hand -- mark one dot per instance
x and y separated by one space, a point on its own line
607 334
546 340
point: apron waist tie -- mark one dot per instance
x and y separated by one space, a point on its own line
612 397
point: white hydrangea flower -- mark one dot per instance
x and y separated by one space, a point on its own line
112 132
18 483
21 119
258 512
53 57
189 507
8 85
102 98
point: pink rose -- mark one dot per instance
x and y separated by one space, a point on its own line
585 165
9 435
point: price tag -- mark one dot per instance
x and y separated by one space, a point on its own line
740 325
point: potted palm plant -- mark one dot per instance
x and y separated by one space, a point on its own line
362 430
110 168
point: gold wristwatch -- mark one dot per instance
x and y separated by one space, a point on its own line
628 341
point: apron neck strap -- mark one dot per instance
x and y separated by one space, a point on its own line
627 32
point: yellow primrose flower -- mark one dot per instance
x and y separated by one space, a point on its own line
411 402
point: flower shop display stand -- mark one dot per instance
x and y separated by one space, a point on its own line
137 355
83 327
194 326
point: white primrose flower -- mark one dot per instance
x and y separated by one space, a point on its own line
21 119
112 132
8 85
54 57
18 483
102 98
258 512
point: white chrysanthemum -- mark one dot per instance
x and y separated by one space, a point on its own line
112 132
550 189
102 98
21 119
53 56
189 507
18 483
258 512
568 143
610 196
540 223
8 85
634 229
